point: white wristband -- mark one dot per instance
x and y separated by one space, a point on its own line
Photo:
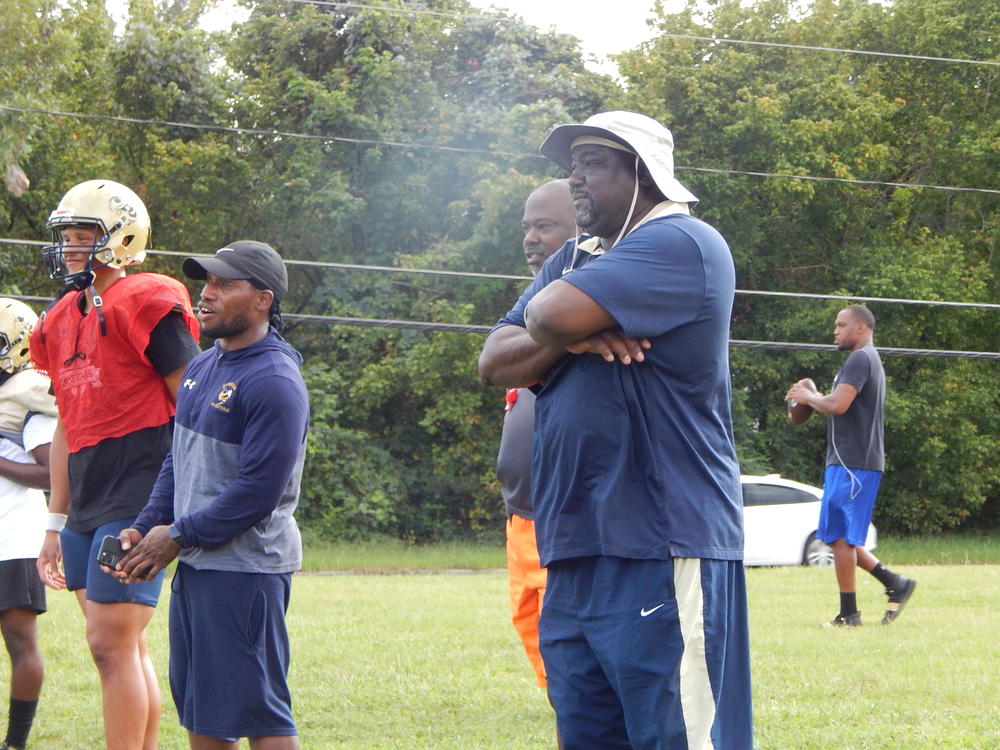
56 522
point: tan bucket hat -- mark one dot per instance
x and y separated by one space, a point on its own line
640 134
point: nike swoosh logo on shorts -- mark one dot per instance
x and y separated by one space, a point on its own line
647 612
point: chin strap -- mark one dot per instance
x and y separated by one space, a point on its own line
576 247
99 307
80 280
631 208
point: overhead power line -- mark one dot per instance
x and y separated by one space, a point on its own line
714 39
846 180
420 325
726 40
258 131
853 298
888 350
381 269
479 152
515 277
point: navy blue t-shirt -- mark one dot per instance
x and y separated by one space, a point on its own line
638 461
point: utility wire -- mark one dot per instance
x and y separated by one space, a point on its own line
260 131
888 350
418 325
360 267
325 264
714 39
725 40
513 277
847 180
894 300
480 152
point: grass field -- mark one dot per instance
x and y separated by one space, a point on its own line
431 661
398 557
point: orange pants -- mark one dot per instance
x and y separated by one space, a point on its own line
527 587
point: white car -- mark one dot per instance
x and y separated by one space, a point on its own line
780 518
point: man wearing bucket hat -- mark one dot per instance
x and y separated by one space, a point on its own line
223 505
638 514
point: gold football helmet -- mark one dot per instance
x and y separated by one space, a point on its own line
122 224
16 322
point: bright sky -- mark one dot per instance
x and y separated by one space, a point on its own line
603 28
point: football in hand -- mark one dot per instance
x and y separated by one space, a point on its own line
799 413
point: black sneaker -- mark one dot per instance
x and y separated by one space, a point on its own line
898 595
845 621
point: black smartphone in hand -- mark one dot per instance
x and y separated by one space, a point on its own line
111 551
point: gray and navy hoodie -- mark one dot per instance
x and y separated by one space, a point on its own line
231 480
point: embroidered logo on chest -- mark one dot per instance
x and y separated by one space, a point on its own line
224 396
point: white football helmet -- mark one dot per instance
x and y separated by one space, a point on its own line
123 230
16 322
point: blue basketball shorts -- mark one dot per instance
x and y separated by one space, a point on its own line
229 653
848 500
648 654
79 550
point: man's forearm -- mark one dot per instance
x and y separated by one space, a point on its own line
827 405
545 336
561 315
512 359
818 402
240 504
35 476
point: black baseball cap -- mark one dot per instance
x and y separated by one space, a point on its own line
255 261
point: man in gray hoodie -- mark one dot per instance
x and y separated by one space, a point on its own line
223 504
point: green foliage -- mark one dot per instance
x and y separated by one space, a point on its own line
350 491
403 434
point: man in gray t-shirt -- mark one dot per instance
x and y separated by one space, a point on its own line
855 437
855 460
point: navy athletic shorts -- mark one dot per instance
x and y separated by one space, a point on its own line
229 653
650 654
79 550
848 500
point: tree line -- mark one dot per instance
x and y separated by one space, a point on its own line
404 435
